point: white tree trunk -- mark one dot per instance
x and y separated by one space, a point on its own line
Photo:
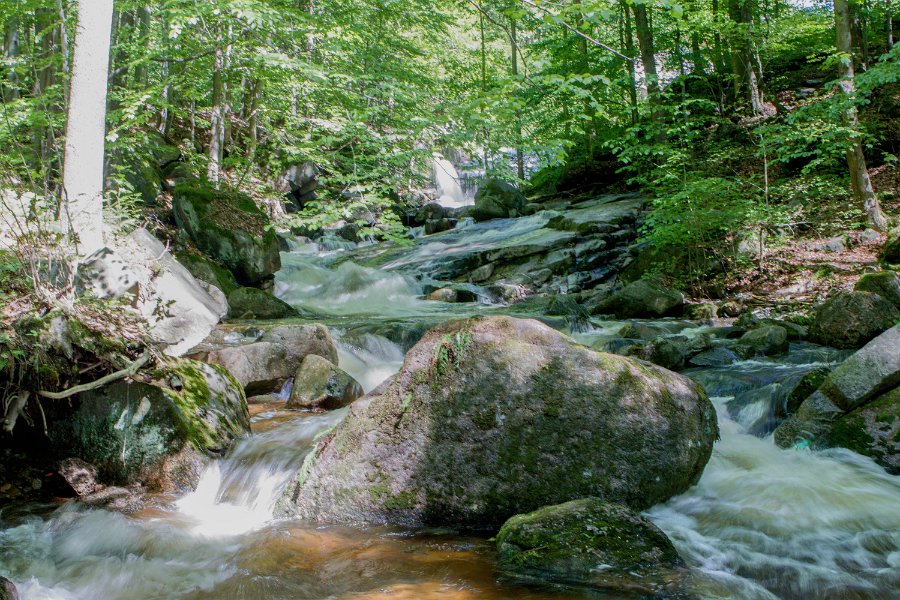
82 211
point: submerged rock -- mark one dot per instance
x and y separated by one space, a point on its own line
643 298
230 228
591 543
319 383
850 319
495 416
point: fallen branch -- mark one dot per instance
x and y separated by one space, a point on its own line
128 371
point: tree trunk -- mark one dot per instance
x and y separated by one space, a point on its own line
744 60
253 116
856 159
82 214
629 65
520 160
10 90
217 121
648 53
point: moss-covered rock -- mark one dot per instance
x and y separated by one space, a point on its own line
850 319
591 543
495 416
886 284
252 303
496 200
135 431
856 382
764 341
264 356
208 271
230 228
319 383
872 430
890 252
643 298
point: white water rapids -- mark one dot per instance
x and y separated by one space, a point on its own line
762 523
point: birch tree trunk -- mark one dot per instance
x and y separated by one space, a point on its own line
82 210
856 159
217 123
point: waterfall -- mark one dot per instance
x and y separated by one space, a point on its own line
447 183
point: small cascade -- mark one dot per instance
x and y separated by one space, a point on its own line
238 494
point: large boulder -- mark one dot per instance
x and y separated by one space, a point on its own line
8 590
319 383
594 544
866 375
208 271
230 228
872 430
642 298
262 361
181 311
253 303
890 252
850 319
155 432
497 200
496 416
886 284
763 341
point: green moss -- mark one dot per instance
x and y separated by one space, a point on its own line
851 433
402 501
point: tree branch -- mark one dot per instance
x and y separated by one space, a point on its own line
85 387
576 31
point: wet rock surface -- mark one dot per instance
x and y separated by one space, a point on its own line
538 412
594 544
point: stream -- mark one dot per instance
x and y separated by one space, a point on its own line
762 523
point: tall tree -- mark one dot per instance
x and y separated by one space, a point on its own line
856 159
82 210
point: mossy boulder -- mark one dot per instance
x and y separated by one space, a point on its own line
495 416
228 227
153 431
319 383
866 375
886 284
890 252
872 430
594 544
642 298
208 271
264 356
763 341
851 319
252 303
497 200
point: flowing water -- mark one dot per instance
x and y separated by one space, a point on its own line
762 522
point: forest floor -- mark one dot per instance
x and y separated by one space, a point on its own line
825 258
